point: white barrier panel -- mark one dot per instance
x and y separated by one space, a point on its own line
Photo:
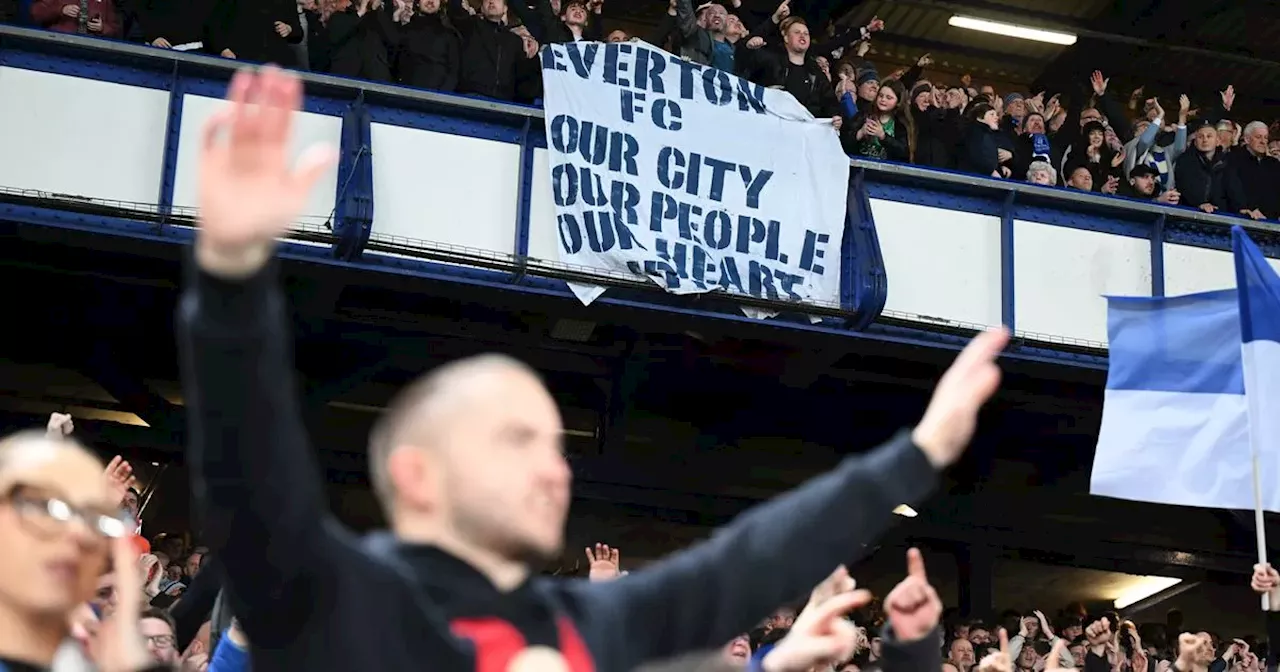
445 190
940 264
80 137
544 239
1188 269
308 129
1061 274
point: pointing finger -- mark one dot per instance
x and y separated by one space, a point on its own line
1004 641
915 564
841 604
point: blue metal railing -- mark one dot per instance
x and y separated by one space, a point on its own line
864 283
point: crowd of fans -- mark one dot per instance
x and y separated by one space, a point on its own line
166 594
172 590
1086 139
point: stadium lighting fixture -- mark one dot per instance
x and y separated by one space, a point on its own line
1013 30
905 511
1144 587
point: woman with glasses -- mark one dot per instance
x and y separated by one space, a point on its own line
60 528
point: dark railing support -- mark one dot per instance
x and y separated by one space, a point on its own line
524 202
1008 303
1157 257
863 284
172 137
353 202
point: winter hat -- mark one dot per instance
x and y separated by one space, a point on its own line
1011 99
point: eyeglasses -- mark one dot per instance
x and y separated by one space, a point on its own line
162 641
47 515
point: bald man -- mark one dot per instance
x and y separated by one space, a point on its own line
468 464
57 521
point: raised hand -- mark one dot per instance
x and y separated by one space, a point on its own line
1194 650
782 12
819 636
1044 624
1098 633
952 416
1000 661
604 563
1053 661
119 646
119 475
913 606
1098 82
249 194
59 425
838 582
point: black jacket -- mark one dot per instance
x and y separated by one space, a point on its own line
807 82
247 28
1202 180
893 146
178 21
490 57
1255 182
429 54
978 153
361 46
547 28
312 596
922 655
937 136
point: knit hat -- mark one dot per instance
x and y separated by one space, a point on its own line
1011 99
919 89
867 76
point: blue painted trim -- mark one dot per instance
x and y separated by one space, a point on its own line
441 124
217 88
172 140
181 235
1079 219
1008 267
1157 257
524 196
72 67
932 198
864 285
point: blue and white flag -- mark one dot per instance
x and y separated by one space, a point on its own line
689 177
1193 392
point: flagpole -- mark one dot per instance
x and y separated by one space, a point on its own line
1259 521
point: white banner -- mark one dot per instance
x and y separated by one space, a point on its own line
691 177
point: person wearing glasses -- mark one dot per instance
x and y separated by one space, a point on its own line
157 629
60 527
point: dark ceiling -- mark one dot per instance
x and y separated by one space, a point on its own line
1171 46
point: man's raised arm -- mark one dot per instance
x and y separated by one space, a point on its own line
776 552
252 469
